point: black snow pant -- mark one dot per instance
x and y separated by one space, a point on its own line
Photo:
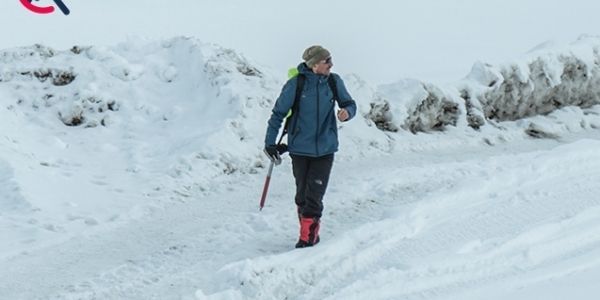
312 176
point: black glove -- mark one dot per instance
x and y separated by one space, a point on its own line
274 152
282 148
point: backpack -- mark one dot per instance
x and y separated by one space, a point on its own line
301 78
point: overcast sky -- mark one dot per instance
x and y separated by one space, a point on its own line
383 41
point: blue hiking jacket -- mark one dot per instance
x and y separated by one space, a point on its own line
312 130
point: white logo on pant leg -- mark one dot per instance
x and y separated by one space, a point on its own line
319 182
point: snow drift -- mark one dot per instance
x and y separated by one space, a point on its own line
544 81
129 128
139 86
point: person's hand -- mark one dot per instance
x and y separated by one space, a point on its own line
342 115
282 148
274 152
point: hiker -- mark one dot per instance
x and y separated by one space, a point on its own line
313 137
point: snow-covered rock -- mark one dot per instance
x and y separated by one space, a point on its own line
547 79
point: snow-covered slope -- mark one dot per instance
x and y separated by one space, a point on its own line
134 171
93 135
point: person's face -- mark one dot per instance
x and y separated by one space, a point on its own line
323 67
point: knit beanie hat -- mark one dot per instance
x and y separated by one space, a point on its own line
314 54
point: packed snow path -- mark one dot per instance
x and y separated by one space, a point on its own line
434 225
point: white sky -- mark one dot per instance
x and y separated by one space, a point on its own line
382 41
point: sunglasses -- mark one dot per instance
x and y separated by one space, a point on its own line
327 61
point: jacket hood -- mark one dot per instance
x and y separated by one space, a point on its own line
305 70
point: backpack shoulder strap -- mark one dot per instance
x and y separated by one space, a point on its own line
300 79
333 86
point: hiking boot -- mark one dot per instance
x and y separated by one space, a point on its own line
309 232
303 244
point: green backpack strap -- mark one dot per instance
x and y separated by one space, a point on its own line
293 72
301 78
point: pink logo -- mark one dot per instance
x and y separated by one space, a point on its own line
45 9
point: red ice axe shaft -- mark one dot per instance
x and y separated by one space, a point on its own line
266 187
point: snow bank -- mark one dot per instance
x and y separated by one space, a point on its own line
204 90
91 131
546 80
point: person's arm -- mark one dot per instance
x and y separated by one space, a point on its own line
345 102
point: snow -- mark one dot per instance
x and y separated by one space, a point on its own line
119 154
133 170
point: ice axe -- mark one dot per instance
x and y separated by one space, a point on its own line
266 187
281 148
